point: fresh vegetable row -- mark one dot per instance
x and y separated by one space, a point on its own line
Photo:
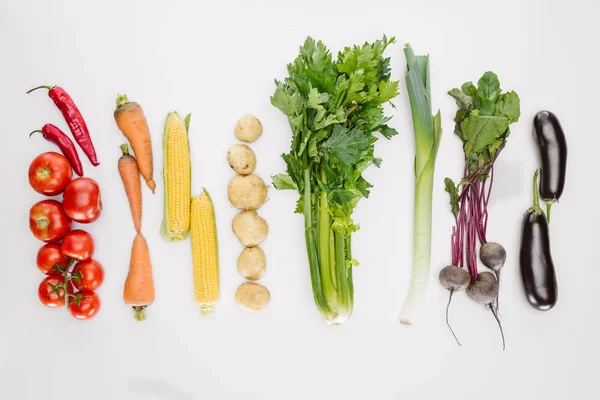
185 214
67 258
335 109
537 268
138 290
337 112
248 192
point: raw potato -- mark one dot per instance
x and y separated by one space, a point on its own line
250 228
241 159
247 192
252 296
248 129
252 263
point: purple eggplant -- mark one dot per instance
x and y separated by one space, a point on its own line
553 153
537 268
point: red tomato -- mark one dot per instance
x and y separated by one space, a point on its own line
50 257
87 275
82 201
48 221
78 244
85 306
49 173
51 291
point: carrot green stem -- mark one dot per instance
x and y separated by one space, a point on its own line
39 87
125 149
121 100
138 313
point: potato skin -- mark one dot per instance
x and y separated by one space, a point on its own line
252 296
248 129
241 159
252 263
250 229
247 192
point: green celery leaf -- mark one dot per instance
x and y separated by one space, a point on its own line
285 100
344 197
331 176
346 145
333 117
315 139
387 91
316 54
383 69
363 186
387 132
294 170
299 206
283 182
315 99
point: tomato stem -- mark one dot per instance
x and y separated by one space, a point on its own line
42 222
67 281
44 173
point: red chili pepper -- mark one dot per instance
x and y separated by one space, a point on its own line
54 135
74 119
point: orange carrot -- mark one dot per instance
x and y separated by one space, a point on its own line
139 285
132 122
130 175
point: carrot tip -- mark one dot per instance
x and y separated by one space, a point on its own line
151 184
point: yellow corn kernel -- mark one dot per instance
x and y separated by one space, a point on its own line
177 176
205 253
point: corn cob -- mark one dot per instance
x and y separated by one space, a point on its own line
205 253
177 178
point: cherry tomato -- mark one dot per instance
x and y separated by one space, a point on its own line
82 201
50 257
48 221
49 173
78 244
87 275
51 291
85 305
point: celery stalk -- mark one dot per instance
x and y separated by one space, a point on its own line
428 133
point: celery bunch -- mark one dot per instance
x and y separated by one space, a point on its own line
335 109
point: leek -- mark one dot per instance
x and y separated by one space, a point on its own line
428 132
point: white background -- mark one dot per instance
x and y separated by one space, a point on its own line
218 61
